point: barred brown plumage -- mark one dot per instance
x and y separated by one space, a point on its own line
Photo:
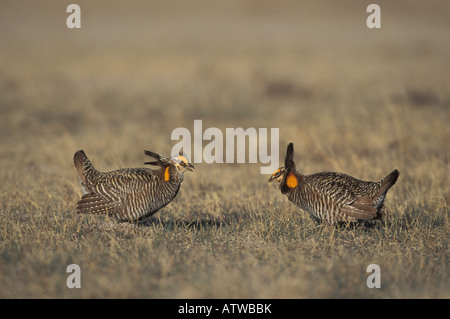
130 193
333 197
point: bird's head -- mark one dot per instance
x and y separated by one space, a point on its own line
181 163
289 165
286 176
278 175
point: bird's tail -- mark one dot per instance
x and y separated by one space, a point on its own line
83 165
387 182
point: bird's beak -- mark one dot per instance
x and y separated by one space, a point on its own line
270 179
190 167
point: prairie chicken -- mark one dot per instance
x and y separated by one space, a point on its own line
333 197
130 194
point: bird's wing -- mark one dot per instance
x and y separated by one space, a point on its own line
339 194
98 203
108 195
360 208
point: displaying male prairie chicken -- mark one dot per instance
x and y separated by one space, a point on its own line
131 193
333 197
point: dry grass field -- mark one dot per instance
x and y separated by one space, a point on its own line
351 99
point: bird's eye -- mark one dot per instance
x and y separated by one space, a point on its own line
183 159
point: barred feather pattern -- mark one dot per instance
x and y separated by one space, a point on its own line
128 194
335 197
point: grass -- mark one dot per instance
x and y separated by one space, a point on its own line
350 99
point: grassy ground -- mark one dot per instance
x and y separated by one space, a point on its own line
351 99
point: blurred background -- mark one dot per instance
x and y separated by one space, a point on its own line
134 72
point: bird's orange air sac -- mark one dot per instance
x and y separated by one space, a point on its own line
291 181
166 174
